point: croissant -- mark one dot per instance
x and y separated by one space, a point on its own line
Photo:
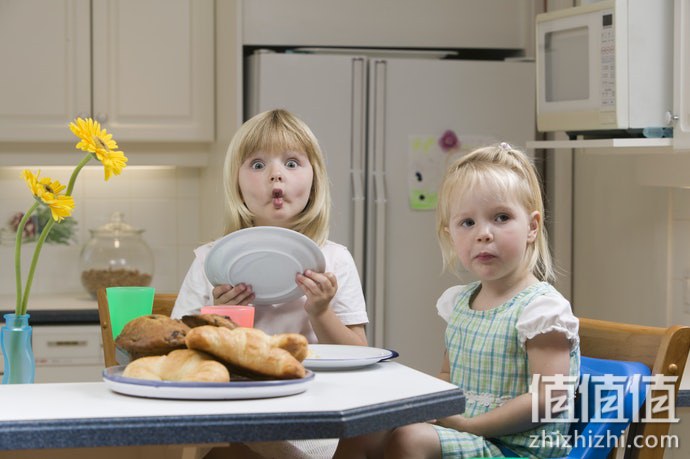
294 343
251 350
179 365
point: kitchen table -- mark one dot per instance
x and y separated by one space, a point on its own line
335 404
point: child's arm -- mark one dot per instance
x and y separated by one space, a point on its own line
330 330
548 354
320 288
445 368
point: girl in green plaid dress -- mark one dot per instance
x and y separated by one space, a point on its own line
509 332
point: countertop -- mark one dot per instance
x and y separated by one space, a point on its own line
58 309
336 404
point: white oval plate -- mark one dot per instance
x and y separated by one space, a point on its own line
233 390
265 257
340 356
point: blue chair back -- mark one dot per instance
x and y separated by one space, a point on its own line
592 436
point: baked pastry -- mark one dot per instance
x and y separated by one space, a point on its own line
197 320
250 350
179 365
154 334
294 343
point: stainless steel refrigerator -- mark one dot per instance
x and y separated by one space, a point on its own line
388 124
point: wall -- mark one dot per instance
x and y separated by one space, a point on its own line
622 241
631 234
680 280
164 201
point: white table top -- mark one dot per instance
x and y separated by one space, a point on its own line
330 391
337 403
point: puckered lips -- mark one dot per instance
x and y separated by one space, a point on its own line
484 256
277 195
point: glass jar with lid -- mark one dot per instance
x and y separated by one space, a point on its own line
116 256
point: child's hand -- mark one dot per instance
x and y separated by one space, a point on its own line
320 289
227 294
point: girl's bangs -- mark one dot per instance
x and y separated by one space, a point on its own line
270 139
501 182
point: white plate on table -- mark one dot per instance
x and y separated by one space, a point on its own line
234 390
265 257
342 357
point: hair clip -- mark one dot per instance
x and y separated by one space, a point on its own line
505 146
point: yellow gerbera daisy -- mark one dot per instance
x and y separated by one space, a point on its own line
39 186
97 141
60 206
91 135
113 162
48 191
32 182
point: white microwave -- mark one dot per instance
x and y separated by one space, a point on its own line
606 68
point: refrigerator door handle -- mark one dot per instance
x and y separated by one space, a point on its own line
357 160
379 102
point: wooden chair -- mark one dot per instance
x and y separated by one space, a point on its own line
162 304
663 350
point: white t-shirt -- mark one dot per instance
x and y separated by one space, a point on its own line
348 302
544 314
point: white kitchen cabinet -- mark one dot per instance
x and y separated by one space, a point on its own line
66 353
45 80
144 68
440 24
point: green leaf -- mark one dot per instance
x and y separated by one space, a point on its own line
62 233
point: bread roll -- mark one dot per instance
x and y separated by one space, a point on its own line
153 334
251 350
179 365
198 320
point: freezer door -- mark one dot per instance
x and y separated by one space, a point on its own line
328 93
412 104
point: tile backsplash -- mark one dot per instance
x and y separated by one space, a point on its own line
163 201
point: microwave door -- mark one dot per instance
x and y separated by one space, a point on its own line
566 65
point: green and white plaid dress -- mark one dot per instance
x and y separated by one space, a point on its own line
488 361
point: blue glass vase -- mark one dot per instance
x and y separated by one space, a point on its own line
15 337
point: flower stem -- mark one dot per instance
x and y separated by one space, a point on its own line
75 172
18 256
22 300
34 262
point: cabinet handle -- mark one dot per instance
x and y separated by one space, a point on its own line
101 118
66 343
671 118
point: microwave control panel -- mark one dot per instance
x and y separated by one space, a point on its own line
608 64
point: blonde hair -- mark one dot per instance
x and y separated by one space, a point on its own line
512 174
272 131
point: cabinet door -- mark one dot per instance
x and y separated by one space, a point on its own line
45 55
153 68
681 75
